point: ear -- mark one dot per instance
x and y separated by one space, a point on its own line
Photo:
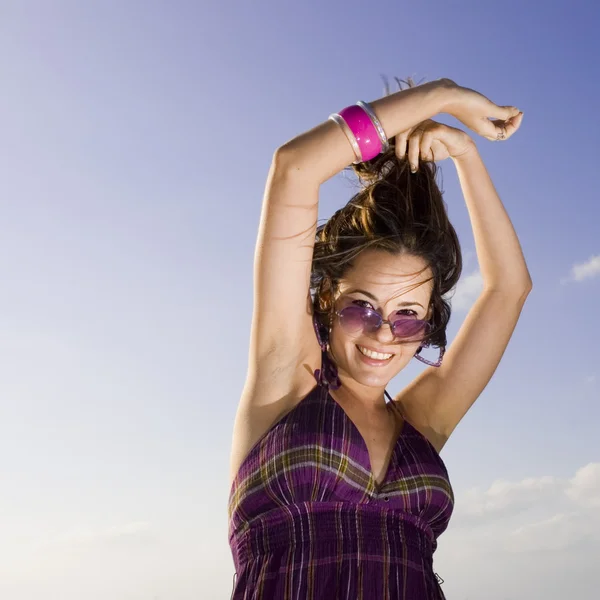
326 298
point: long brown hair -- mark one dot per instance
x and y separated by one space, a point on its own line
397 211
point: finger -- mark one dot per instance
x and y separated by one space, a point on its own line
401 145
425 146
504 129
495 131
414 142
513 124
489 129
501 132
503 113
438 151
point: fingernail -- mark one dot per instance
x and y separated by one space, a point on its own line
413 168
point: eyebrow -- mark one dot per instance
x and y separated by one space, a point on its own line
372 297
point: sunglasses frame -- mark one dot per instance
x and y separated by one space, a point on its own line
383 321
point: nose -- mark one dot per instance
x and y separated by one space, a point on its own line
384 334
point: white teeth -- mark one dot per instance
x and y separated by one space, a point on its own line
371 354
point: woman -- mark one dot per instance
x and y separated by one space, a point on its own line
338 490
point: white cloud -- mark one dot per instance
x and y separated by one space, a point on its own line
509 498
504 497
534 514
467 291
590 379
584 488
584 270
555 533
543 531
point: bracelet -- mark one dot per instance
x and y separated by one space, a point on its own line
348 132
384 140
363 130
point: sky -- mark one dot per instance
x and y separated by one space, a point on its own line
135 141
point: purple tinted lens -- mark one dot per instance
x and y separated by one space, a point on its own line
355 319
359 319
407 327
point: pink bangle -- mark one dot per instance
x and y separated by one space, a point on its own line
367 137
349 136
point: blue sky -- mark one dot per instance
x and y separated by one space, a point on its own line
135 143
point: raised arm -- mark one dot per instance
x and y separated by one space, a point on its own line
282 338
282 331
440 397
324 151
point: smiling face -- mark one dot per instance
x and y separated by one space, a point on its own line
394 285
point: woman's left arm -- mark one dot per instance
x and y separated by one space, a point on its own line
446 393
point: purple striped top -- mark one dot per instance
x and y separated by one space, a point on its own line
307 520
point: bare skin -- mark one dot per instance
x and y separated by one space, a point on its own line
284 352
388 284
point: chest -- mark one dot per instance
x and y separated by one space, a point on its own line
380 435
317 453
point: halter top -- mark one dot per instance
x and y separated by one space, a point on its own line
308 521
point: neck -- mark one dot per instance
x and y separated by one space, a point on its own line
371 397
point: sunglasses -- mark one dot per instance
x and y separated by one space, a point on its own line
356 320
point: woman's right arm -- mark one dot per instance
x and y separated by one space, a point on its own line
282 335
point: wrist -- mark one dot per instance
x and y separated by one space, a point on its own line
468 153
447 95
405 109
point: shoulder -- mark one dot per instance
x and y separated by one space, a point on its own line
265 402
420 420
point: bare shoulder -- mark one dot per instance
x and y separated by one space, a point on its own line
412 404
265 400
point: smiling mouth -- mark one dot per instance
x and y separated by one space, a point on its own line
374 355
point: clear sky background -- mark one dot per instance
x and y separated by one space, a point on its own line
135 140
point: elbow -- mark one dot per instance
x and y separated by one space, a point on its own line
285 161
517 289
280 158
523 283
289 163
525 290
514 282
286 156
526 286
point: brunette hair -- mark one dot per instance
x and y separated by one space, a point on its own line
396 211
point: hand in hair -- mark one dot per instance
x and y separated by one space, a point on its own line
480 114
431 141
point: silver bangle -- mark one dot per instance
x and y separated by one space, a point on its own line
377 123
348 132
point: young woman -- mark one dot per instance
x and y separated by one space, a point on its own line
338 490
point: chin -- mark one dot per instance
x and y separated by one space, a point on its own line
371 380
